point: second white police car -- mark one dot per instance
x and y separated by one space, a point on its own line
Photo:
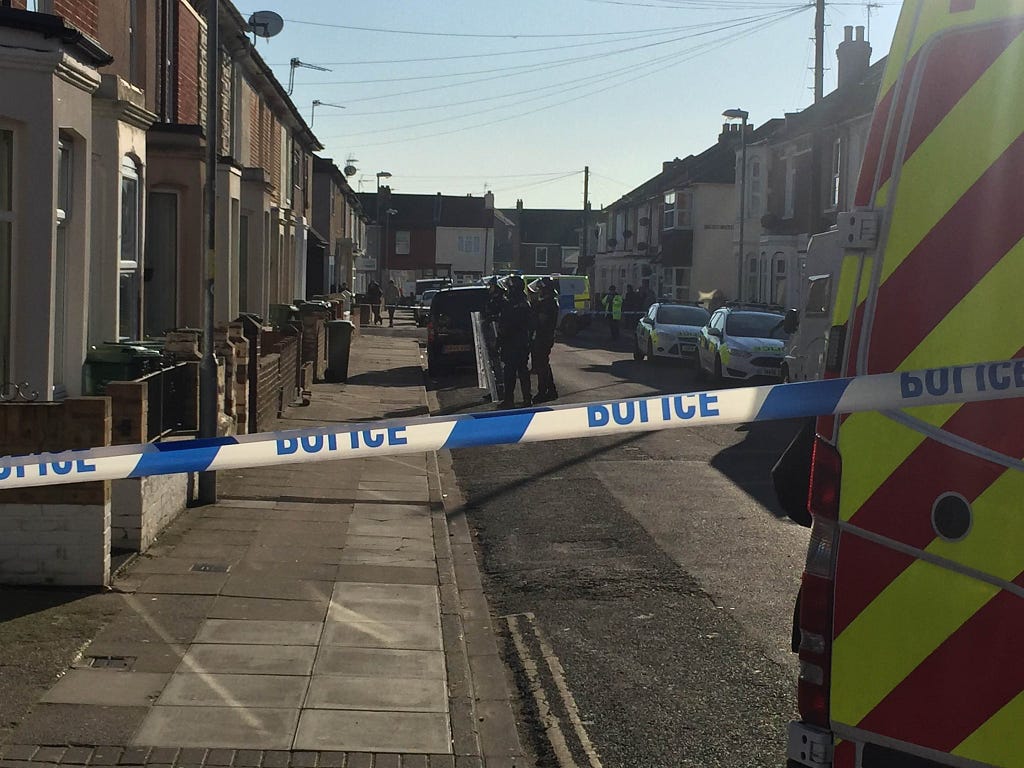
669 330
742 341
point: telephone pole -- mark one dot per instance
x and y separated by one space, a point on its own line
819 50
585 243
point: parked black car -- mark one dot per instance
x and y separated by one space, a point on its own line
450 329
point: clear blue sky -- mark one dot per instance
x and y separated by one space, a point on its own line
560 92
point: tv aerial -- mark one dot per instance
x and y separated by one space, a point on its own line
265 24
295 64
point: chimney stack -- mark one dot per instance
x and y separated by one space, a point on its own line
854 55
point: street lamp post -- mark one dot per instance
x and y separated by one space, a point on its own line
387 236
376 220
741 115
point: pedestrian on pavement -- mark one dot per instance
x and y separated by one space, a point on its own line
613 306
514 338
545 314
391 301
373 296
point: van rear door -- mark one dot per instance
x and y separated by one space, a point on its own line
929 572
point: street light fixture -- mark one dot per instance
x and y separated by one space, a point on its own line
742 115
387 236
318 103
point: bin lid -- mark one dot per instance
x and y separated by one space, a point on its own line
115 352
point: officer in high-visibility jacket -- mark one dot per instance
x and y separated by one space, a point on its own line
613 306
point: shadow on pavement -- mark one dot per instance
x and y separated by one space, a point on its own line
406 376
754 457
16 602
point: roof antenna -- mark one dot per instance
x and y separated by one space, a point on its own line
295 64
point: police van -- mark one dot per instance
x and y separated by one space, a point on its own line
912 603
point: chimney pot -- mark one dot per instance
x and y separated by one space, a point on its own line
860 34
848 33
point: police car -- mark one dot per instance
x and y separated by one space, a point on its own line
669 330
742 342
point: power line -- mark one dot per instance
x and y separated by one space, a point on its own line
492 54
656 62
556 62
514 36
604 85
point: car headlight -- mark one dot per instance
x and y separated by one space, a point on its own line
742 354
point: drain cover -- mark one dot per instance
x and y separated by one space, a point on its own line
210 567
111 662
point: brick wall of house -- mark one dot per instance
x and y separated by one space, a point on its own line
314 344
268 395
59 534
274 154
187 55
226 75
287 344
22 4
84 14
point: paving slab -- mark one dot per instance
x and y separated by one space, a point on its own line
351 556
293 554
408 528
232 690
417 732
226 727
394 495
292 570
107 688
188 584
265 632
255 585
376 662
265 608
388 574
383 610
142 656
388 694
396 544
249 659
79 724
397 635
146 565
334 539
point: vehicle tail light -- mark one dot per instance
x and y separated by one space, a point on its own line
816 595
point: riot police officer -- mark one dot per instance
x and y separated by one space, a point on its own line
545 313
515 332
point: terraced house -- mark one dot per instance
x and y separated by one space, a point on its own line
103 146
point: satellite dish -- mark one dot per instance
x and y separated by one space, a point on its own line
351 170
266 23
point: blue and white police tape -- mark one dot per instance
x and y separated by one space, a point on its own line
880 392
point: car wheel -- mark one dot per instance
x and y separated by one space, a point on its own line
637 352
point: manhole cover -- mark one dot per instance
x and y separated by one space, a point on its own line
111 662
210 567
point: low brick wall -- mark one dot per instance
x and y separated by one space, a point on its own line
314 343
142 507
60 534
268 394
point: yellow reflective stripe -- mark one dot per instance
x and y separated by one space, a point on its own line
929 201
997 520
848 271
901 627
1000 740
966 334
935 17
873 447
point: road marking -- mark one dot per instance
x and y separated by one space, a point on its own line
550 720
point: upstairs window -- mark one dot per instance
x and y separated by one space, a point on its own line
541 257
677 211
837 169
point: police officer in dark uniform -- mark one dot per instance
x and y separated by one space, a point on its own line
514 336
545 314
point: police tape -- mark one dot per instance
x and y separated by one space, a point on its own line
878 392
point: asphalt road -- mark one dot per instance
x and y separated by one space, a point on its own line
658 567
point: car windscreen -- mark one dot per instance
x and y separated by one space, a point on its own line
451 309
762 325
683 315
427 296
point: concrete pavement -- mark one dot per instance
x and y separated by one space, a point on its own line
327 615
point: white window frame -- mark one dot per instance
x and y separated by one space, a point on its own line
540 263
837 170
130 170
678 210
